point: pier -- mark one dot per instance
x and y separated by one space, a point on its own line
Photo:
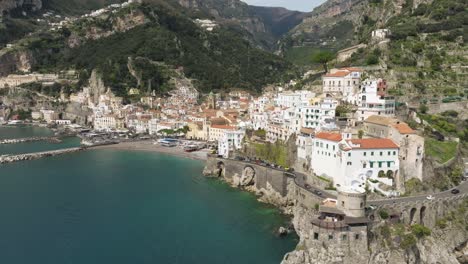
30 139
37 155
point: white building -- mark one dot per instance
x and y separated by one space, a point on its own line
230 140
380 34
216 132
49 115
373 100
304 144
344 81
107 123
294 99
315 116
351 162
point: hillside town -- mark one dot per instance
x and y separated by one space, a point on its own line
348 134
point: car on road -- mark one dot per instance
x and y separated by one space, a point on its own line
307 186
319 193
430 197
455 191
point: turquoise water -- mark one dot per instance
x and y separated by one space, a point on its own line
24 131
8 132
106 206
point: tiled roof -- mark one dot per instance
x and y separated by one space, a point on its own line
373 143
352 69
337 74
309 131
380 120
329 136
223 127
403 128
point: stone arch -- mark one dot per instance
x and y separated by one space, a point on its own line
381 174
221 168
390 174
422 214
412 214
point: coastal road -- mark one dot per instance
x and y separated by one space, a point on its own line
299 180
463 188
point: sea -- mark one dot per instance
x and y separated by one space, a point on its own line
117 206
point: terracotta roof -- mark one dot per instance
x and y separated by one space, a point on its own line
403 128
373 143
309 131
380 120
223 127
337 74
352 69
329 136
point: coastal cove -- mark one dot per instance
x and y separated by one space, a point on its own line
130 206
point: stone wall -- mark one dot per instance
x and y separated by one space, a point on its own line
425 212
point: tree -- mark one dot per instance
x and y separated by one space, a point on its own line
423 108
323 57
360 134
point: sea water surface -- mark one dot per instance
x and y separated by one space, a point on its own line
106 206
25 131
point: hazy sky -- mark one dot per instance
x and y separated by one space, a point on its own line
301 5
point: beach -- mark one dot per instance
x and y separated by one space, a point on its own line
150 147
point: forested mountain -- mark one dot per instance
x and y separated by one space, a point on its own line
140 46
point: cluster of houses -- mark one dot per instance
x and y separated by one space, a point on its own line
366 147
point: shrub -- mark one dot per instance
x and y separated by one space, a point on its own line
383 214
441 223
408 241
420 231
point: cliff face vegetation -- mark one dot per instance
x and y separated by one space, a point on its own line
159 37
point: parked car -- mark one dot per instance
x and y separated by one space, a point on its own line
455 191
319 193
430 197
307 186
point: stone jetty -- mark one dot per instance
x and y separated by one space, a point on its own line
30 139
37 155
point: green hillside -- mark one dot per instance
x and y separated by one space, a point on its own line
218 60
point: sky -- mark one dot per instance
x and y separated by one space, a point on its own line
300 5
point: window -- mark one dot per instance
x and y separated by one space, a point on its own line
364 165
344 237
326 146
365 153
381 153
389 163
394 153
330 237
380 164
349 154
342 203
316 235
371 164
349 163
356 236
372 153
333 147
389 153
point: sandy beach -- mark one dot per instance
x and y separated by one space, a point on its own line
150 147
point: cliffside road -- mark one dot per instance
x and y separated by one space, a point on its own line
299 180
463 188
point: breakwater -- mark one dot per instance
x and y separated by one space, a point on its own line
30 139
37 155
